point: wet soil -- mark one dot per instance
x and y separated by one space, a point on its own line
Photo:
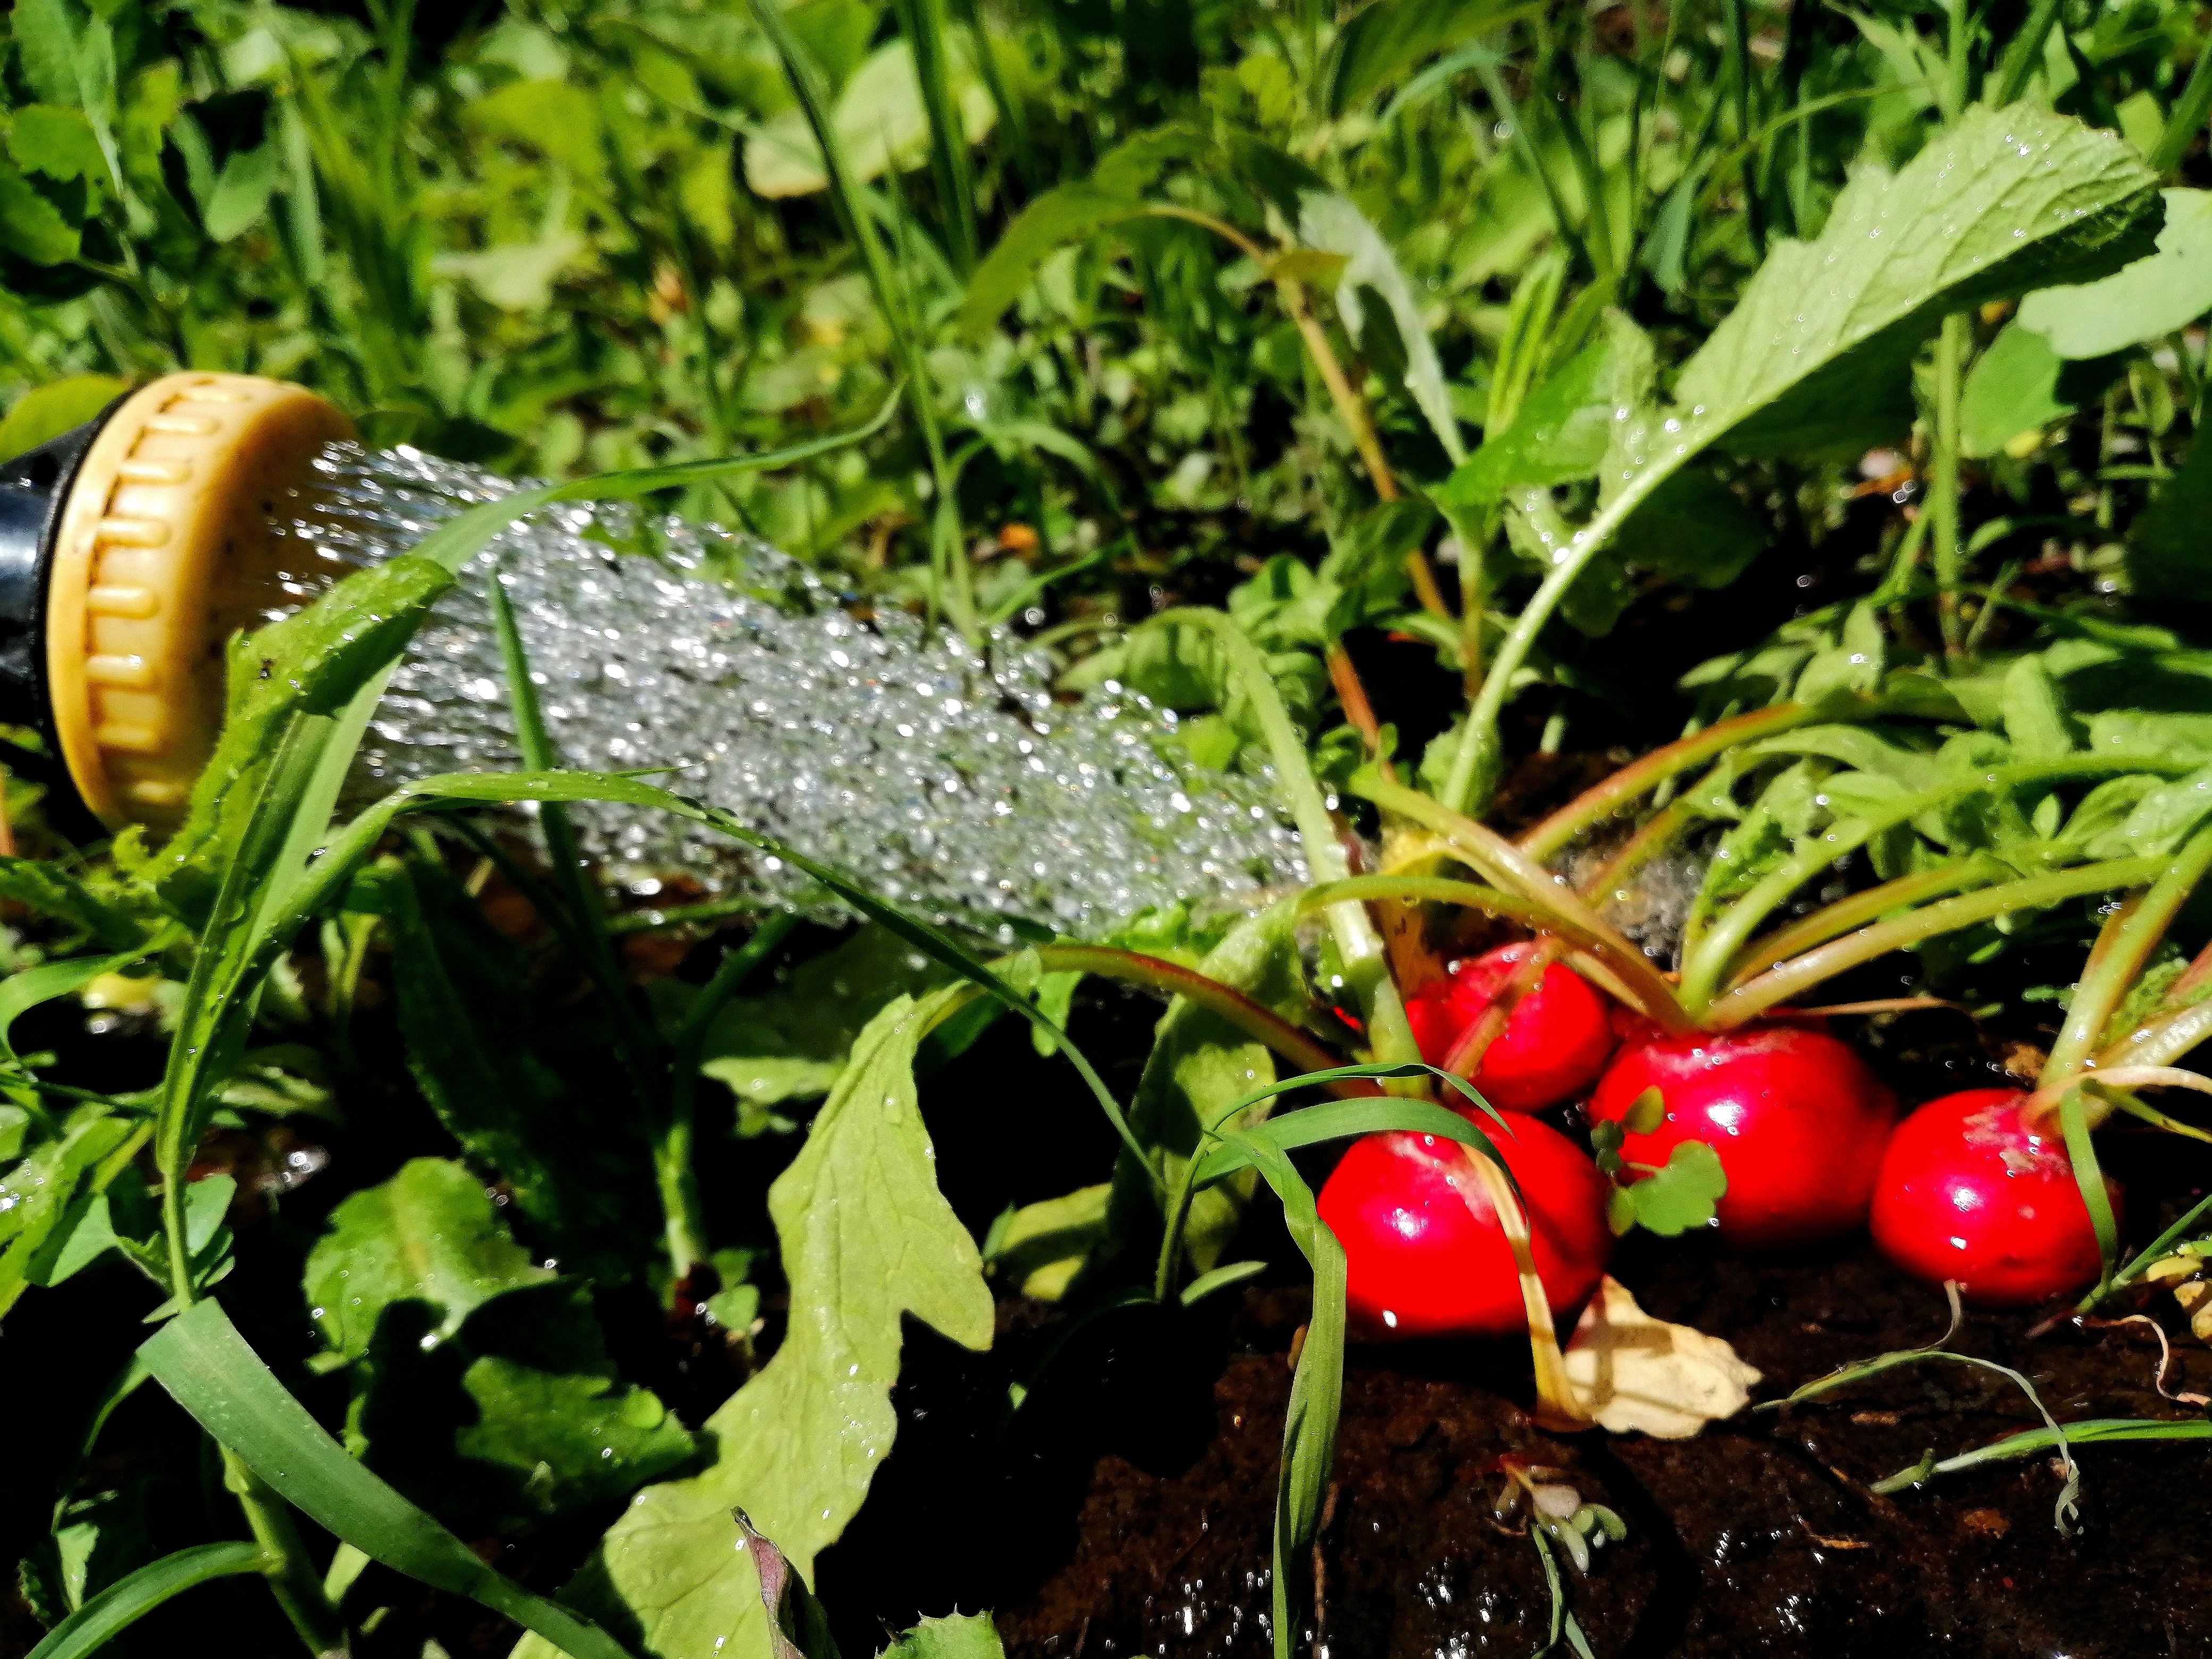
1760 1536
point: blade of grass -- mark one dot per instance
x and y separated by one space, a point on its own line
926 30
805 78
121 1604
209 1370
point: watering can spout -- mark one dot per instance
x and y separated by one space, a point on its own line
131 549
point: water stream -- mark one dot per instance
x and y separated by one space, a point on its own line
946 777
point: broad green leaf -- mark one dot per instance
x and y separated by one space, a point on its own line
880 118
865 1237
559 120
2018 386
2169 554
1064 214
59 142
47 47
429 1235
209 1370
962 1636
1815 353
2153 297
115 1609
30 224
1563 429
792 1043
48 888
45 413
1335 224
1200 1067
509 1082
35 1196
1382 43
241 192
1039 1249
1695 530
463 1349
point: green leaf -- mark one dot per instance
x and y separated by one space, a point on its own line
1064 214
31 225
866 1236
1815 354
1335 224
45 413
419 1284
792 1043
209 1370
1693 529
46 887
46 46
1039 1248
880 119
429 1235
2020 386
241 192
59 142
509 1082
22 991
115 1609
962 1636
2156 295
1563 427
1388 38
1200 1065
559 120
1680 1194
36 1196
2169 555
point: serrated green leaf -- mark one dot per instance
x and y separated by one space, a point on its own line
866 1236
2153 297
30 224
962 1636
59 142
1814 355
1681 1194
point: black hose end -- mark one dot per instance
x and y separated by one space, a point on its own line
33 488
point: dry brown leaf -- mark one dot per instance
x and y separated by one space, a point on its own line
1634 1373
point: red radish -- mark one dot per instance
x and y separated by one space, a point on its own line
1555 1042
1797 1119
1425 1254
1968 1191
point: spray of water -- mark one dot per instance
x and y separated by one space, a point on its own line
945 776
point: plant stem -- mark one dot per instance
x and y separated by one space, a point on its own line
805 78
293 1579
1485 850
2023 56
2157 1250
1707 963
1358 946
1640 777
1624 969
2186 120
1556 1407
1862 908
1780 983
685 1221
1261 1023
2122 951
1943 482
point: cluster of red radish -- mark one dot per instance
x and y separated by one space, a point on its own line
1965 1189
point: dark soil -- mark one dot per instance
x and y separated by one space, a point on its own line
1759 1537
